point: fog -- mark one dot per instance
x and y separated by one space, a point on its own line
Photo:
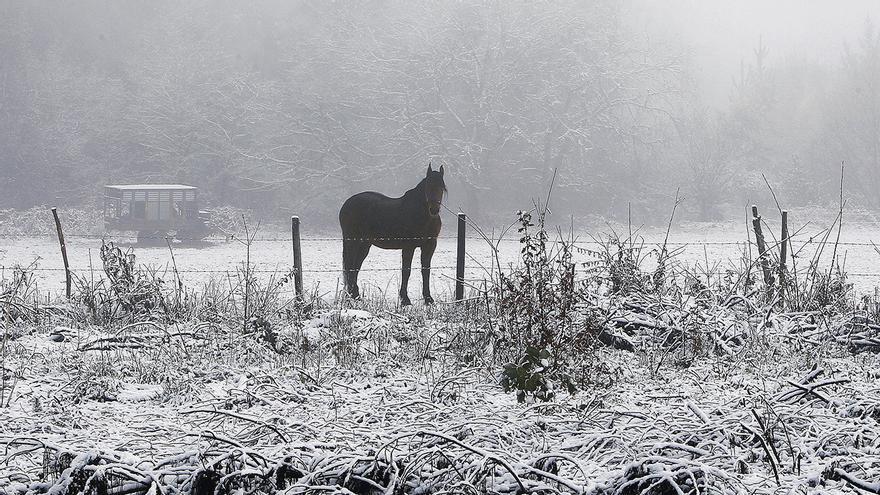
289 107
720 35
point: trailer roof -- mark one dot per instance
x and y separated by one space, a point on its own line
151 187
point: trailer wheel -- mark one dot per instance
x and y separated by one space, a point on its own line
151 237
197 232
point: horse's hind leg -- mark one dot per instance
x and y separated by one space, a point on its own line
350 250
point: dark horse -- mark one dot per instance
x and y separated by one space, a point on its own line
406 223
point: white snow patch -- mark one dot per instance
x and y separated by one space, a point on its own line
138 392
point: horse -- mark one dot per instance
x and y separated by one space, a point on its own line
406 223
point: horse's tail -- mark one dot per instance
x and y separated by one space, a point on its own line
346 251
347 223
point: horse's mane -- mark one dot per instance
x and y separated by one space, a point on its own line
421 185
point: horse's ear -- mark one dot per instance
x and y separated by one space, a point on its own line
429 169
441 170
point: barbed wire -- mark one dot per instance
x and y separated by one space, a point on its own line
634 242
257 239
241 269
306 270
595 242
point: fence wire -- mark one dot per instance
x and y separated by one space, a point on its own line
323 239
277 271
280 271
514 239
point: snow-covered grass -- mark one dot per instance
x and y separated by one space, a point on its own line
370 399
725 389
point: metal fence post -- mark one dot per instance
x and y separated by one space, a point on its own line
783 255
459 260
297 256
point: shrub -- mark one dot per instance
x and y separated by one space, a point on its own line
129 293
617 265
543 329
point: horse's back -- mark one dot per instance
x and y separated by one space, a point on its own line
394 222
357 210
365 198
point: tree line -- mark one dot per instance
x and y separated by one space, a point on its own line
289 107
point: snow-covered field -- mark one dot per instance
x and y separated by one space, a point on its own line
718 394
712 245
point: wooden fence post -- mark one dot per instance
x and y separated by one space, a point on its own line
63 251
459 259
762 247
783 252
297 256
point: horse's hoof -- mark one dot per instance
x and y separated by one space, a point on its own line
404 301
429 300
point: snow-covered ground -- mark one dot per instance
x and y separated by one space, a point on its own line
701 244
719 394
367 391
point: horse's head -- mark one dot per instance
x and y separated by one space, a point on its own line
434 189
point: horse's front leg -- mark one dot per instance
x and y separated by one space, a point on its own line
405 270
427 254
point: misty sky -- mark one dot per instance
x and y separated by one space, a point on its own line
724 32
268 105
